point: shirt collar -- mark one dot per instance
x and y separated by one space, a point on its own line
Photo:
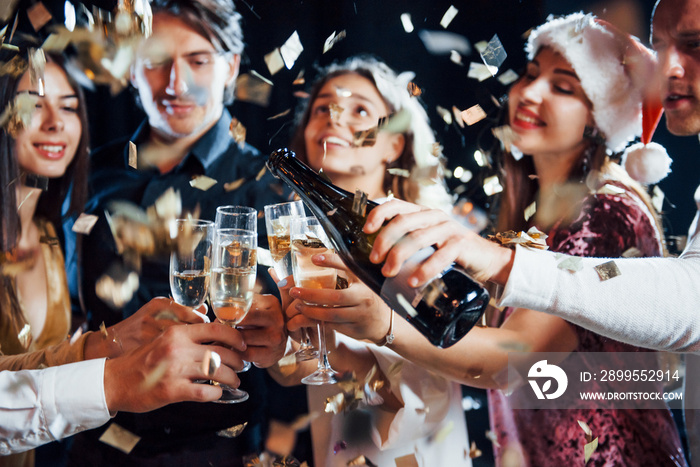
207 149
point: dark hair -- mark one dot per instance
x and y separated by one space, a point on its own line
392 88
74 181
217 20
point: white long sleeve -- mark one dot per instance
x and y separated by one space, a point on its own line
654 303
40 406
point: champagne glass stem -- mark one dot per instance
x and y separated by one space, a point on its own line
323 363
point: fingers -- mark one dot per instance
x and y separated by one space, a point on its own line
330 260
212 332
327 297
158 308
386 211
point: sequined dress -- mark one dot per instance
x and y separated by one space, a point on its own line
608 226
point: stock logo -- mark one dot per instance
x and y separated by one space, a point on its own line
542 369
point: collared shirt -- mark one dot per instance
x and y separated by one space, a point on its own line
40 406
179 428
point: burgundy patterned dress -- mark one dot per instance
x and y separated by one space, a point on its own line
608 226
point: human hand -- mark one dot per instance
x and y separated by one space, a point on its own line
412 227
264 332
164 370
142 327
355 311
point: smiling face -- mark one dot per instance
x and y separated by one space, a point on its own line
347 104
48 145
181 78
548 108
676 39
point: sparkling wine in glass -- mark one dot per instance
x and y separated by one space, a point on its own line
232 284
309 239
277 219
190 262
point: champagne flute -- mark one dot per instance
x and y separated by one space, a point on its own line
190 262
308 239
277 219
237 217
232 283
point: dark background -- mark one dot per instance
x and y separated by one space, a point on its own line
374 27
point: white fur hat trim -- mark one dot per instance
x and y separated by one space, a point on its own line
647 163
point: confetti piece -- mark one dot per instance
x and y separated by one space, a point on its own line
457 114
609 189
280 115
261 173
365 138
492 185
359 203
399 172
406 306
455 57
491 436
508 77
480 72
570 263
84 223
444 42
254 88
299 79
473 114
168 315
233 431
280 438
506 136
133 162
406 22
607 270
589 449
74 338
7 9
264 257
632 252
274 61
409 460
413 89
530 211
474 452
332 211
120 438
335 111
152 378
291 50
586 429
360 461
448 16
237 131
202 182
494 54
234 185
332 40
25 336
657 198
443 432
38 15
445 114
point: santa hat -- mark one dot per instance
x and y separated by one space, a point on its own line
614 69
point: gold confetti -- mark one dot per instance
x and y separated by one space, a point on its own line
332 40
202 182
84 223
586 429
15 67
409 460
74 338
408 308
287 365
399 172
274 61
299 80
365 138
448 16
360 461
233 431
38 15
413 89
234 185
120 438
25 336
632 252
491 436
237 132
657 198
261 173
18 113
607 270
37 64
154 376
530 211
335 404
480 72
302 422
455 57
494 54
117 288
473 114
359 203
133 156
254 88
332 211
168 315
280 115
335 112
474 452
609 189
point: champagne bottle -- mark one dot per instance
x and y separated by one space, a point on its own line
443 310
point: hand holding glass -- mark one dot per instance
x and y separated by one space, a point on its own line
308 239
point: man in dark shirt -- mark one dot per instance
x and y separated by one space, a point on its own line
184 74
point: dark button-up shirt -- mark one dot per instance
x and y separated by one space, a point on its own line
177 428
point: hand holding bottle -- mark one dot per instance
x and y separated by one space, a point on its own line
410 227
